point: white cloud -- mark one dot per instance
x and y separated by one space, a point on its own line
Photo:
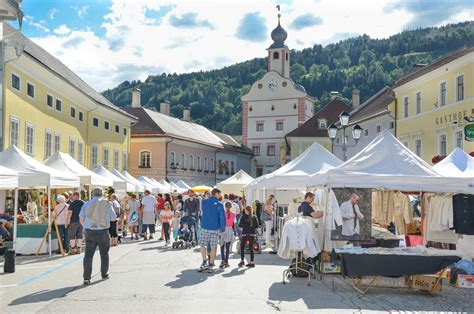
40 25
52 13
62 30
81 11
136 44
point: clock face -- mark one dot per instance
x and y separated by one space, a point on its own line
272 85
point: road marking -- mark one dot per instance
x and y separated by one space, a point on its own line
8 286
34 278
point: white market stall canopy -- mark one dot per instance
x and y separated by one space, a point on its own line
133 180
177 188
183 185
387 164
165 185
154 187
65 163
130 185
33 173
456 164
236 183
8 178
118 183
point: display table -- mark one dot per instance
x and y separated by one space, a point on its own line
29 237
360 265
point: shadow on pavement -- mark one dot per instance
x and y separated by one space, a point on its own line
191 277
235 272
48 295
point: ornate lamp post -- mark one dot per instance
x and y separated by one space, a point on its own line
356 133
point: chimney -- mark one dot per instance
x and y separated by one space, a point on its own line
187 114
355 98
136 95
165 107
334 95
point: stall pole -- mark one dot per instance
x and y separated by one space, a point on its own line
48 191
15 219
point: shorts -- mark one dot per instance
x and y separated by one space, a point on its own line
209 237
113 229
74 231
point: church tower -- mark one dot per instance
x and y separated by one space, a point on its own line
278 52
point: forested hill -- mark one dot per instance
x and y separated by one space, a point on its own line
360 62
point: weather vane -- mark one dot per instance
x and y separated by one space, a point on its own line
278 8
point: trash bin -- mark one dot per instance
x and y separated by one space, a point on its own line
9 265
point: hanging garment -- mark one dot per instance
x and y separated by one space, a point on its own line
332 218
382 206
463 214
429 234
298 234
402 212
442 212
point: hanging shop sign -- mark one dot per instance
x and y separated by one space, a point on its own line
469 132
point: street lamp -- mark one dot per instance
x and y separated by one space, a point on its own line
356 133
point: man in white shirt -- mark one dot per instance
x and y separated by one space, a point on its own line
147 211
351 216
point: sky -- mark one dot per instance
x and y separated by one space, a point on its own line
109 41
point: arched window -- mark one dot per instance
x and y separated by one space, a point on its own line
213 166
183 161
145 159
323 124
199 163
173 159
276 55
191 162
205 164
287 56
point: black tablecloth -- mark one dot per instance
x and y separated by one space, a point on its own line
356 265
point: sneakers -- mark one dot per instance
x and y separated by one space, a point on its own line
204 265
145 238
86 282
222 265
241 264
250 265
151 236
226 265
105 277
210 269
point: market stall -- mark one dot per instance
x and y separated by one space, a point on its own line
183 185
136 186
120 185
235 184
134 180
154 187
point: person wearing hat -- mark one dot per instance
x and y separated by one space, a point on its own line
95 216
306 209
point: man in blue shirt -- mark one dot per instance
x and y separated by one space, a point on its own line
306 209
212 223
95 216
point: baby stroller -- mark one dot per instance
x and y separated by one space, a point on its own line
186 241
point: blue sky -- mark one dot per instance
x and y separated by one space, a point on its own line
109 41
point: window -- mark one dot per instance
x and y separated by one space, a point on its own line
259 126
125 131
459 139
442 145
16 82
338 140
117 128
191 162
392 125
442 94
418 103
59 105
95 156
72 147
124 161
106 125
418 147
116 159
259 171
57 142
48 144
73 112
460 88
105 157
199 163
287 56
49 101
173 159
366 132
80 152
213 165
271 150
183 161
276 55
323 124
378 128
256 150
14 131
95 122
279 126
346 139
405 107
145 159
29 141
81 116
205 164
30 90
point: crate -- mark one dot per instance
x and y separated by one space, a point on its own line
413 228
424 282
331 268
465 281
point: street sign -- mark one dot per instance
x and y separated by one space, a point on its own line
469 132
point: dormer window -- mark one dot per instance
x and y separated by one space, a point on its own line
323 124
276 55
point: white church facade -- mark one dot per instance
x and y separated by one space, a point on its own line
273 107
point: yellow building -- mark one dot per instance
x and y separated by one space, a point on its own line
432 103
49 108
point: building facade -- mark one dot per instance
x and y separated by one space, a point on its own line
372 116
274 106
432 104
316 128
48 108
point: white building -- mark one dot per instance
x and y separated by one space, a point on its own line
274 106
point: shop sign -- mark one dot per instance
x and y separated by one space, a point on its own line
469 132
451 117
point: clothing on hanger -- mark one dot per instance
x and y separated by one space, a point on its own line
298 234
